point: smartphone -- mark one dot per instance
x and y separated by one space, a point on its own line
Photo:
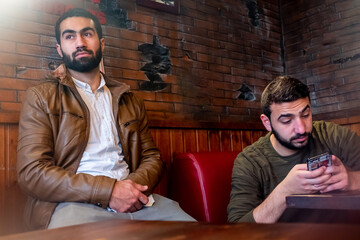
319 161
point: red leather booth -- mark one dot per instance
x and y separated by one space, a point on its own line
201 183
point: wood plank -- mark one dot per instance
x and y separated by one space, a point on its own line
176 141
202 140
190 140
2 148
11 153
246 138
226 141
11 218
355 128
236 140
257 135
162 141
214 141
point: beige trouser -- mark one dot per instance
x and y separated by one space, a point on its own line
72 213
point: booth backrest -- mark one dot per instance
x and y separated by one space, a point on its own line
201 183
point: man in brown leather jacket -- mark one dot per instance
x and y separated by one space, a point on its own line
85 152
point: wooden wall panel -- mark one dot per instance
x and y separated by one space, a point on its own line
203 140
8 143
225 140
2 147
246 137
237 141
256 135
355 127
162 140
214 141
11 198
176 141
190 140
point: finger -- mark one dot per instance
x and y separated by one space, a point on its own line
143 199
319 187
336 170
138 205
315 173
335 161
323 179
334 179
332 187
132 209
140 187
301 166
332 170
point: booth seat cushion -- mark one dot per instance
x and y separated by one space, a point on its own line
201 183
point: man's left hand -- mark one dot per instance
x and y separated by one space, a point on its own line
339 179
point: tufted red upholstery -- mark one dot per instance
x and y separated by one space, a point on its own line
201 183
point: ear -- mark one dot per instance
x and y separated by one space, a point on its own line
58 48
102 44
266 122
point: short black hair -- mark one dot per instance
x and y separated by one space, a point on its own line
283 89
77 12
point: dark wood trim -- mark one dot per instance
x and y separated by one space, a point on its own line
193 124
160 6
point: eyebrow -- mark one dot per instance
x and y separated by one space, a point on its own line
290 115
82 30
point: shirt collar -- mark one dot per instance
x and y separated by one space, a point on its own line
86 87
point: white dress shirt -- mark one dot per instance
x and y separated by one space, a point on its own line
103 154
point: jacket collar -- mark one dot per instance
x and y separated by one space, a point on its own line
64 77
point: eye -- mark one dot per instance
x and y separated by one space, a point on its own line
69 36
285 121
306 115
87 34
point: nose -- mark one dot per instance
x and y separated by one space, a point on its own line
80 42
299 126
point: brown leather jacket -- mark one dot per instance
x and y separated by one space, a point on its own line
53 134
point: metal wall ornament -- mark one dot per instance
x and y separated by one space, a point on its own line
246 93
171 6
158 62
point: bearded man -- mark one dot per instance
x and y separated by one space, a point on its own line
275 166
85 152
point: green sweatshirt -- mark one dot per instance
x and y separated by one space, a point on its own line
258 169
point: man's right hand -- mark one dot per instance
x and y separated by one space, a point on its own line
301 181
127 196
298 181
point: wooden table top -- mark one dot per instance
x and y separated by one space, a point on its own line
150 230
345 200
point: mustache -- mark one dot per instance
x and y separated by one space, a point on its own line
82 49
297 136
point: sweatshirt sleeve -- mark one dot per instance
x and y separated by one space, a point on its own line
245 194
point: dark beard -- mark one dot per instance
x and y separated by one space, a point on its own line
85 64
288 144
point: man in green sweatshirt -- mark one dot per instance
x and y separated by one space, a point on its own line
275 166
